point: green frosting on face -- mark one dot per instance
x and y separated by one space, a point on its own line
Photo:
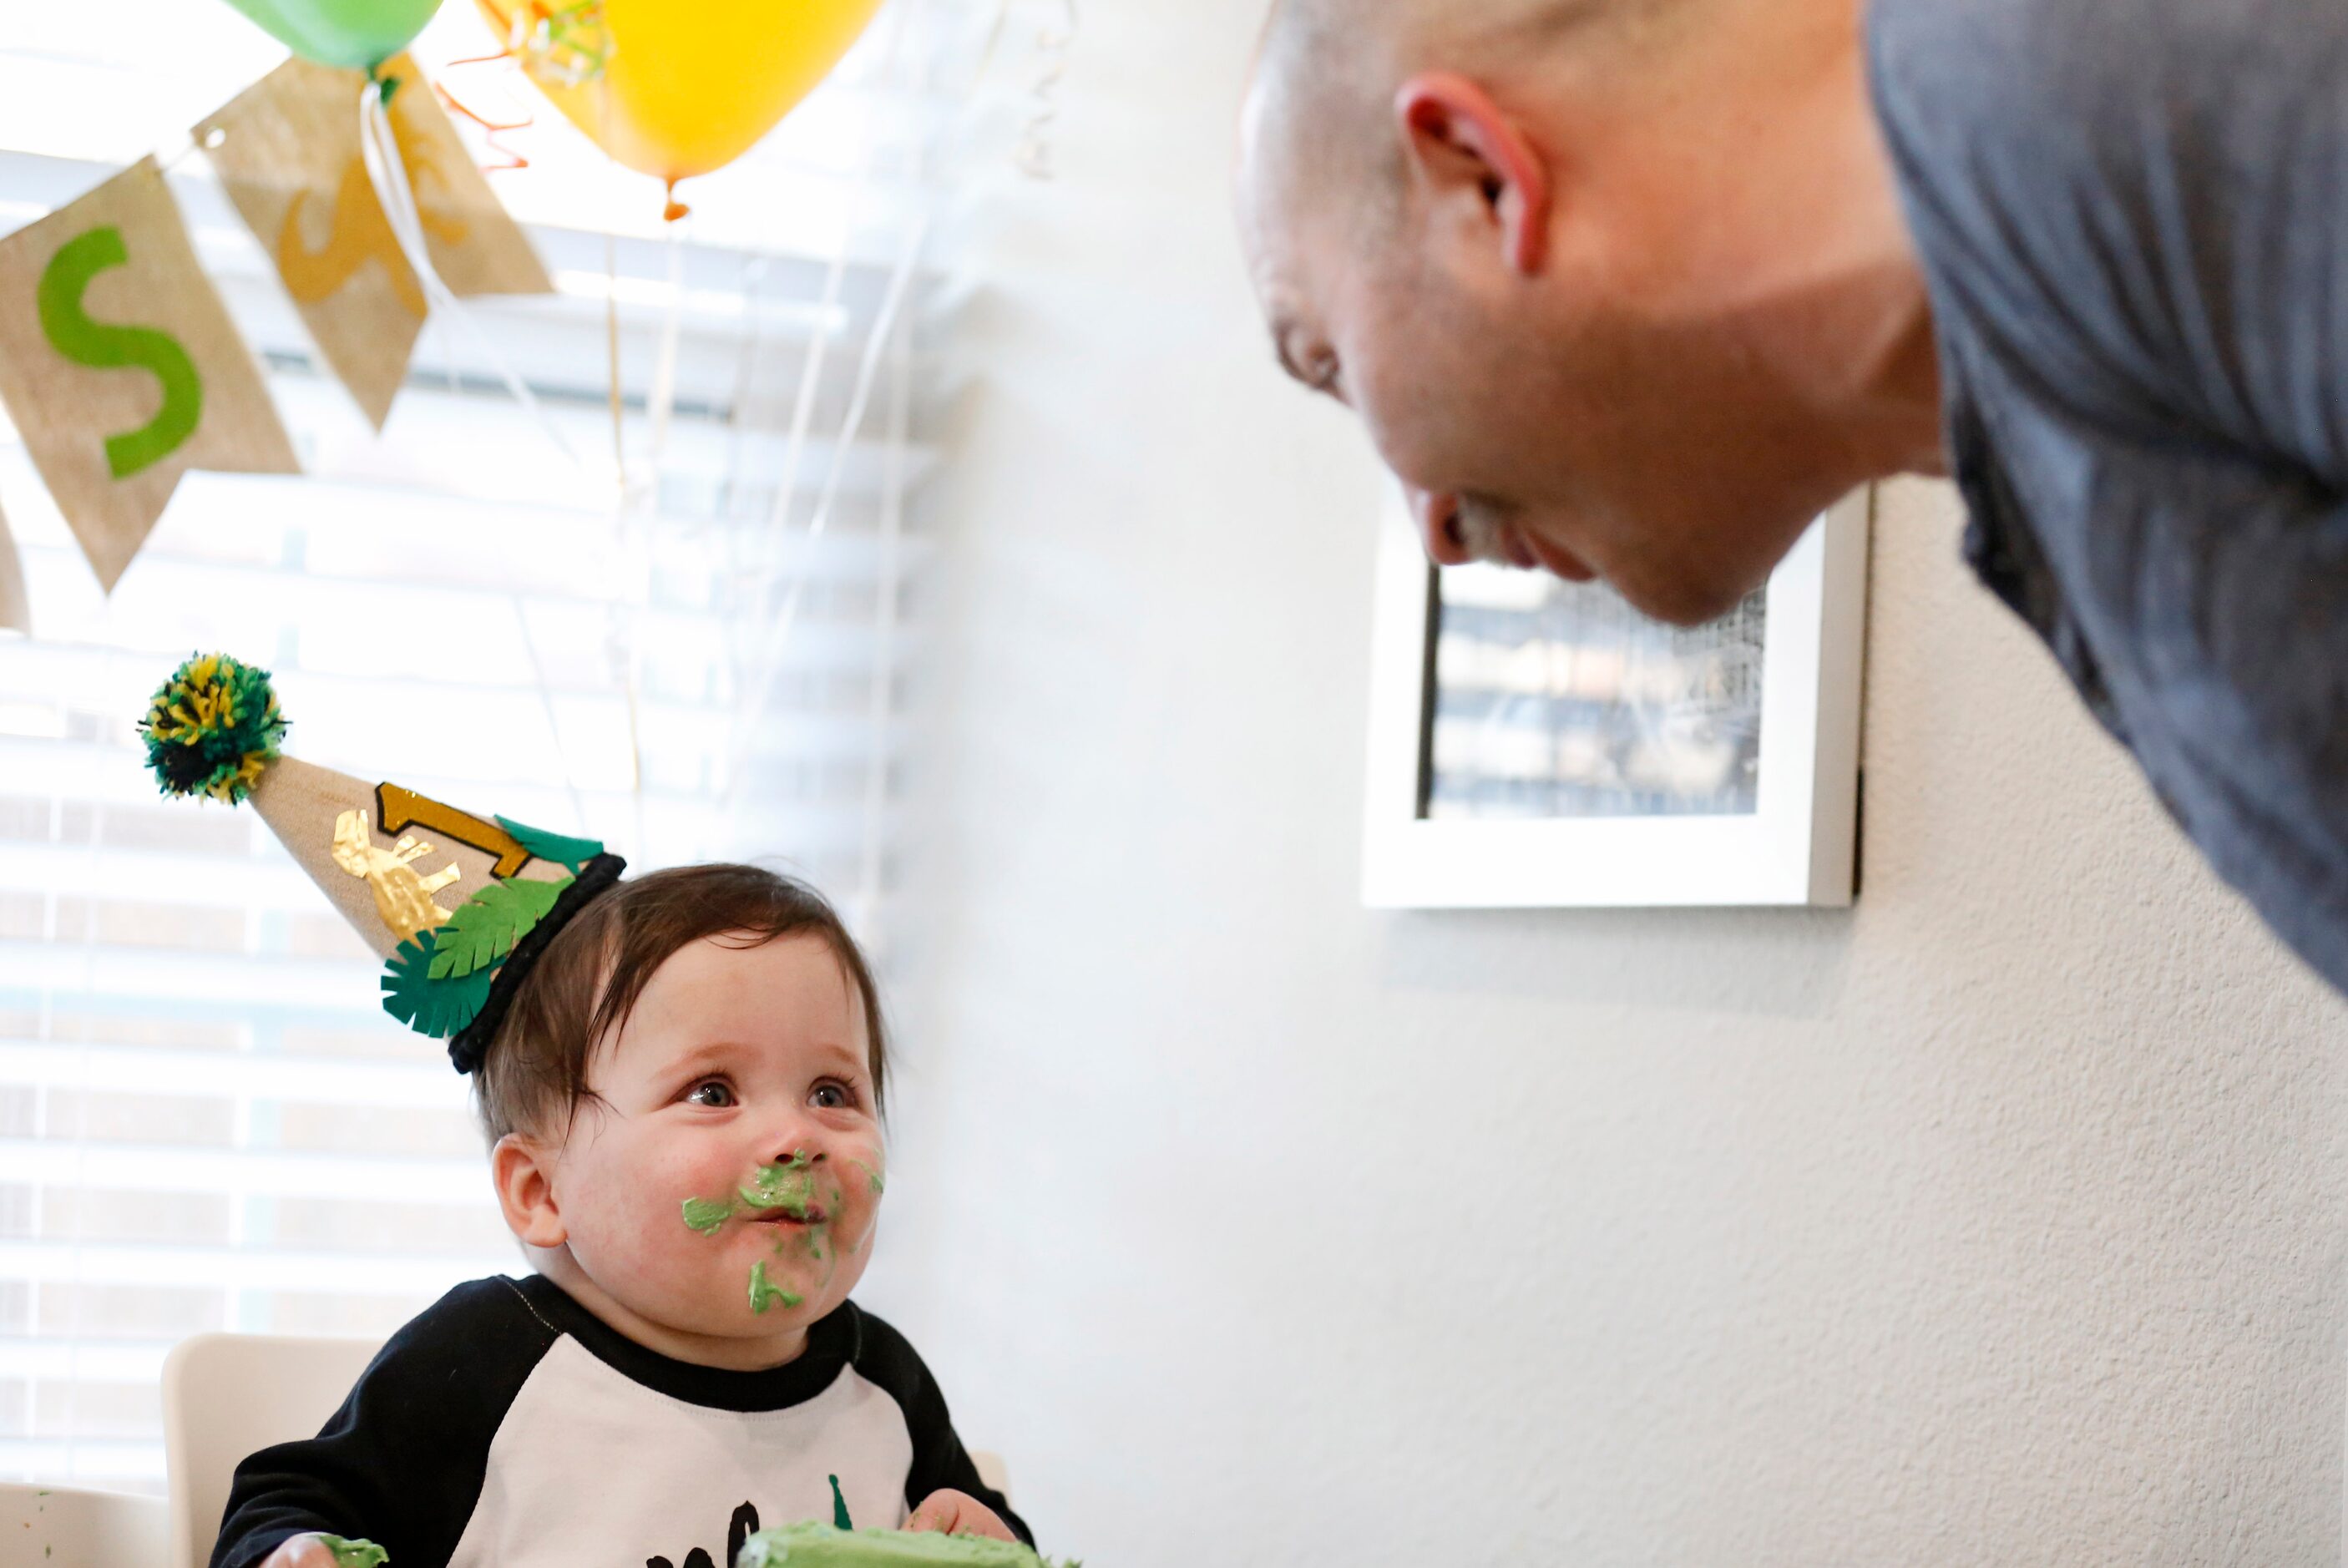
705 1214
789 1187
764 1293
879 1186
813 1546
355 1553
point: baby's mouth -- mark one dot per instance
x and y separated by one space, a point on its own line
813 1215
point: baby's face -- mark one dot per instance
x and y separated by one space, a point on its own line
728 1183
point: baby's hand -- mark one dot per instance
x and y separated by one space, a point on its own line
943 1512
325 1552
301 1551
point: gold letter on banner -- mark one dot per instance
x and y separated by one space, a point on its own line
120 366
287 150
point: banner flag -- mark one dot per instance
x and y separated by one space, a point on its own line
288 154
15 613
121 367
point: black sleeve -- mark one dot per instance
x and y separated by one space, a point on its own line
401 1463
883 1355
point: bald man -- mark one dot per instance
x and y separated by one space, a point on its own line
1634 288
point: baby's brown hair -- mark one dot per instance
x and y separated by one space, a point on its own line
586 983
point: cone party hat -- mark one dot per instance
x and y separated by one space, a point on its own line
458 906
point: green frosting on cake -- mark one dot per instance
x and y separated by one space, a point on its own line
814 1545
355 1553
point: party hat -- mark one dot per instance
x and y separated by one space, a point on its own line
459 915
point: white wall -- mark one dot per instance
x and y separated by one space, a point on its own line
1999 1219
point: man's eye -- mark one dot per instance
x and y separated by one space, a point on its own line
715 1093
830 1097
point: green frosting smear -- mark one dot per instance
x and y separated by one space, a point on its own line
813 1546
789 1187
355 1553
706 1214
764 1293
879 1186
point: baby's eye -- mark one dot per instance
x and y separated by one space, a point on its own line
715 1093
831 1096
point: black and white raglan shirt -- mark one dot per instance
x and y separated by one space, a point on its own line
508 1427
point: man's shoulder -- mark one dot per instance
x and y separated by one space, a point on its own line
2098 193
2053 91
1980 51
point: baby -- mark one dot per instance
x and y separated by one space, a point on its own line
685 1102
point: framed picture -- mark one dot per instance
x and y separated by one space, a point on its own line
1537 742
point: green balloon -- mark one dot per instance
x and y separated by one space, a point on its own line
357 35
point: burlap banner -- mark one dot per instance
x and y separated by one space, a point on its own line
287 150
121 367
16 612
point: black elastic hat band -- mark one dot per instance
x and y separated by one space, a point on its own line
471 1043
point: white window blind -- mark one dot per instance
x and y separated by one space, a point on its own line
205 1120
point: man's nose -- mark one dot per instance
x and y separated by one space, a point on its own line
1437 515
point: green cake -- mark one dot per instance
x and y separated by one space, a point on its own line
813 1546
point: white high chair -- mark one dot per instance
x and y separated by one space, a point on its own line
227 1395
77 1527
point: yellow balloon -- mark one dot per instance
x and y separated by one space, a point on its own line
677 87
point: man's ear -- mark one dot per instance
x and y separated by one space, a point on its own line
523 1170
1463 145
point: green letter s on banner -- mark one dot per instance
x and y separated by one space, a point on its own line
103 347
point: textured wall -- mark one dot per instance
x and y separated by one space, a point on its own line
1998 1220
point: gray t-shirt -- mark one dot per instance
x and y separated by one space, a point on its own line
2133 216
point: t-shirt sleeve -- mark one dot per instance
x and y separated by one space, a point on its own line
940 1462
2141 205
401 1462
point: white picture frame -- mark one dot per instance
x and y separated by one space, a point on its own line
1794 846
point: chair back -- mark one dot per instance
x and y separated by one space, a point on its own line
75 1527
226 1396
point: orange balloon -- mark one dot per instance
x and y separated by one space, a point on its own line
677 88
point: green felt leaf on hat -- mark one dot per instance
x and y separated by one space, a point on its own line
484 928
560 848
434 1007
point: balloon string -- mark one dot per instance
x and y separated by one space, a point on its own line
866 371
379 148
1035 154
775 539
388 171
491 130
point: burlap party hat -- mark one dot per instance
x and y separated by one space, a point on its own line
460 906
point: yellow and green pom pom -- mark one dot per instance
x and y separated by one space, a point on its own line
212 728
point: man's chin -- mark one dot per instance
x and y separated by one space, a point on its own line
1676 600
1658 597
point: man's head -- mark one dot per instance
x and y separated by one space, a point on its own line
1618 287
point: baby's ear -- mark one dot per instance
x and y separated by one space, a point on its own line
523 1170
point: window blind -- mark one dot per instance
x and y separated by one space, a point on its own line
205 1120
